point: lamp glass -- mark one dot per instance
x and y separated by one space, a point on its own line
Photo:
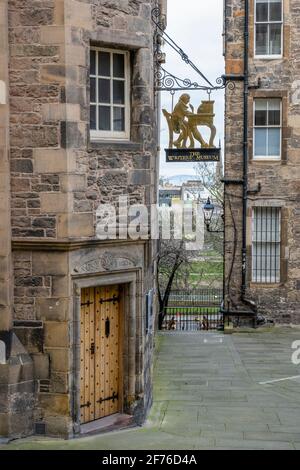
208 210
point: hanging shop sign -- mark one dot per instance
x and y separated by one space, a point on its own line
186 143
192 155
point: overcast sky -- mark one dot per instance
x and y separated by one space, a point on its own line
196 26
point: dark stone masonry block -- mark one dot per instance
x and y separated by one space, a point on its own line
30 233
29 281
21 166
36 16
20 184
34 136
20 221
37 50
50 179
33 203
44 222
32 337
110 179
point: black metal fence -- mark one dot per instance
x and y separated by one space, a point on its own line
196 310
195 298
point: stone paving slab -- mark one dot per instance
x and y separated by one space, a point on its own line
207 395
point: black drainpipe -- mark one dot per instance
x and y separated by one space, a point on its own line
244 181
248 302
245 150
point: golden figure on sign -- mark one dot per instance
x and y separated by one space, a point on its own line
185 122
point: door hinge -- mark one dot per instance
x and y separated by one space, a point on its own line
86 405
113 398
87 304
114 300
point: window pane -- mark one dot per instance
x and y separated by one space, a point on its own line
255 263
104 118
119 67
266 225
274 113
275 39
93 117
274 143
275 10
93 62
260 142
260 118
119 119
261 113
266 239
104 90
276 263
119 92
261 103
261 11
262 39
93 90
104 64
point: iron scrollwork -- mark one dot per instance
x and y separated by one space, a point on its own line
166 81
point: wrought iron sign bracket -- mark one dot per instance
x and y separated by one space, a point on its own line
233 78
186 142
166 81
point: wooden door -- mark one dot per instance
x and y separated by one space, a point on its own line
100 364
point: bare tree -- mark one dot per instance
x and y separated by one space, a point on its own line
174 262
172 258
210 176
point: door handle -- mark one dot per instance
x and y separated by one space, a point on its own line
92 348
107 328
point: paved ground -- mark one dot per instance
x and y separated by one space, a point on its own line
208 395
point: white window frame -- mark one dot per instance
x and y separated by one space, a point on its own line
268 56
269 280
97 135
267 157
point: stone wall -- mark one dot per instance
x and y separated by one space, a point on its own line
279 180
16 368
5 230
59 178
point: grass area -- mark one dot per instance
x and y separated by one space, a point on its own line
206 270
211 254
207 266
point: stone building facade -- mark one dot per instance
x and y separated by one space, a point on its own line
58 164
262 54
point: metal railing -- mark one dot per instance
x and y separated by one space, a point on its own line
195 297
195 310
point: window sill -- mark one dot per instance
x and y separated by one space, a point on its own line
114 144
265 285
266 160
268 57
